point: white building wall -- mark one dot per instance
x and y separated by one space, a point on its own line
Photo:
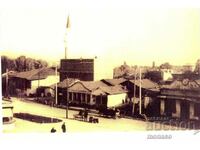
52 79
45 82
192 112
146 101
167 74
116 99
162 106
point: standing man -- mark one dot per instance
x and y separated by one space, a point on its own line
85 115
63 127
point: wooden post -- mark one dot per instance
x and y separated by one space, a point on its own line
6 95
140 95
133 109
67 100
56 102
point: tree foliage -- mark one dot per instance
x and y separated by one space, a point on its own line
197 68
21 63
154 76
165 66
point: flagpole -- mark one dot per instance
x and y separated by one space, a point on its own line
66 35
67 106
67 29
65 44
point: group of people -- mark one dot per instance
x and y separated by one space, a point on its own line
63 127
84 114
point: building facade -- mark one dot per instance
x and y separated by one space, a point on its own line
180 103
93 94
82 69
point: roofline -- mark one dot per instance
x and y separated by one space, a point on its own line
81 84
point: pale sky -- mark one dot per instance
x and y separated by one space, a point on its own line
138 36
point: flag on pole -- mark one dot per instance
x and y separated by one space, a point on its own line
68 23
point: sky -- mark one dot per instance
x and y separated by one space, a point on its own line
114 32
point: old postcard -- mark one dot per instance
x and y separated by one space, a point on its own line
92 68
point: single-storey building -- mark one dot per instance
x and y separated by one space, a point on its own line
62 90
95 94
149 92
181 100
26 83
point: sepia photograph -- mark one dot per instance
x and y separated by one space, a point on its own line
100 68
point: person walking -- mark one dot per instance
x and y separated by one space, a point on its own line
63 127
85 115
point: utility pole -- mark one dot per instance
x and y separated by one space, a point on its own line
133 109
37 90
56 86
6 95
140 95
67 93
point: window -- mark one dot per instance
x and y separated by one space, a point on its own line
173 104
75 96
93 98
88 98
70 96
83 98
197 110
170 106
104 101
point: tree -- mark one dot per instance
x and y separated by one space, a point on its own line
7 63
153 75
43 63
21 63
165 66
4 62
197 67
30 64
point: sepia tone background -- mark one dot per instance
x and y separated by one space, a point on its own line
123 32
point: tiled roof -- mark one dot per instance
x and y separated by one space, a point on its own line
92 85
10 73
35 74
113 89
98 88
184 85
113 81
67 82
98 92
145 83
